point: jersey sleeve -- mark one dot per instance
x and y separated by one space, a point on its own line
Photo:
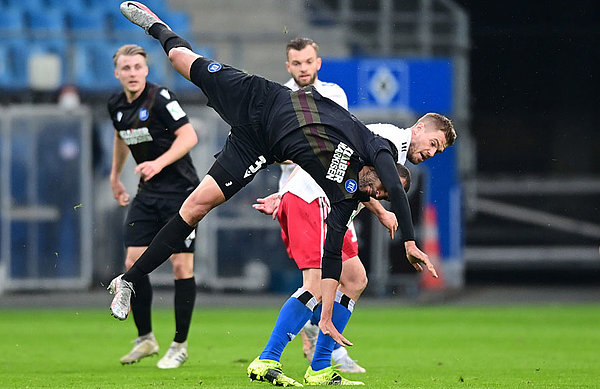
385 166
339 96
169 110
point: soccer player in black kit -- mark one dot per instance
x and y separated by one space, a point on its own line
270 123
151 124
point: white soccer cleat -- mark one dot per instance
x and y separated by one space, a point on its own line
145 346
344 363
175 356
309 335
122 290
139 14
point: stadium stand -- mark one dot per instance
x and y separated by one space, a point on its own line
83 42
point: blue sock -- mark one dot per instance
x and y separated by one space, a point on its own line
314 320
342 309
316 316
292 317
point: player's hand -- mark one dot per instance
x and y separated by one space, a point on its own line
417 257
327 327
268 205
120 194
148 169
389 221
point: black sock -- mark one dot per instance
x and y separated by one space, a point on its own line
185 296
168 39
161 248
141 305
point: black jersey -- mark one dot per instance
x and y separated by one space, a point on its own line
341 144
147 125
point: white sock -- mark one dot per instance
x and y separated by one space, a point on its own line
339 354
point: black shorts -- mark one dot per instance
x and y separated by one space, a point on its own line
147 215
239 98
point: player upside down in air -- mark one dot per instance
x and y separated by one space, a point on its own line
269 123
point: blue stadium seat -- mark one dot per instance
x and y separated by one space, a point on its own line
87 25
121 28
5 68
46 23
12 22
67 5
15 58
179 22
25 4
93 68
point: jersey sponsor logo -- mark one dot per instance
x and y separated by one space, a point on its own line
165 93
143 114
214 67
175 110
256 167
133 136
119 116
351 185
339 163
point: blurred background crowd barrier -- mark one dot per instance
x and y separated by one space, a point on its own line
60 227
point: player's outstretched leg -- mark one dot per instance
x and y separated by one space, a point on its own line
139 14
122 290
269 370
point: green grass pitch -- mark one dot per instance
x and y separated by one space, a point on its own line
400 346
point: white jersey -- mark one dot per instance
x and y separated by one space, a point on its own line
302 184
400 137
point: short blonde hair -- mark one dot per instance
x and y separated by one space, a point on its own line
442 123
129 50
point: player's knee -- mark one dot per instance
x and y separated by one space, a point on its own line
362 283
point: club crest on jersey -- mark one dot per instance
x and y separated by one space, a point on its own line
339 163
143 114
214 67
119 116
351 186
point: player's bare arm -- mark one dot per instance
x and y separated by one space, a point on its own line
386 218
120 153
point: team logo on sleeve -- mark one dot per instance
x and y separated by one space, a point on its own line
143 114
351 186
339 163
175 110
214 67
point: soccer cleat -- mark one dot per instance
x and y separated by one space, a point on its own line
327 376
122 290
345 364
270 371
175 356
139 14
309 335
145 346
